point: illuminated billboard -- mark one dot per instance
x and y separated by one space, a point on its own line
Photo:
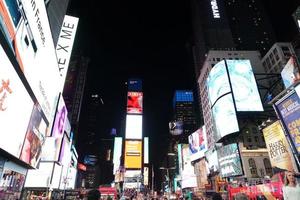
290 73
176 127
60 119
117 153
188 177
288 110
40 177
278 147
244 86
146 150
65 151
134 125
212 158
15 107
26 28
198 144
133 154
230 160
135 102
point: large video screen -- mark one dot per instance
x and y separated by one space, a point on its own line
224 117
135 102
134 124
218 82
14 99
51 149
40 177
230 160
198 144
26 28
290 73
212 158
117 153
146 150
60 119
65 151
133 154
244 86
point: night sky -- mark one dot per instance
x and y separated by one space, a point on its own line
148 40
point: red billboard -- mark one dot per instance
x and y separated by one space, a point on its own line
135 102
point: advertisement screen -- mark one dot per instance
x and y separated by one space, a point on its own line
51 149
26 28
212 158
133 154
198 144
188 175
35 138
244 86
134 125
146 176
176 128
40 177
56 176
135 102
230 161
60 119
146 150
218 82
290 73
65 151
224 117
14 98
117 153
289 110
278 147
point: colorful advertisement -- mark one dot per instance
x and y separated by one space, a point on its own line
176 128
133 154
290 73
244 86
289 113
117 153
188 177
135 102
146 176
212 160
146 150
60 119
134 124
26 27
65 151
278 147
40 177
230 161
198 144
14 99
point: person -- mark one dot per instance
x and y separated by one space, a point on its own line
291 189
94 195
241 196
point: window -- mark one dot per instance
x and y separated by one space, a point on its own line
268 167
252 167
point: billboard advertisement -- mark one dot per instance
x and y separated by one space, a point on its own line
146 176
117 153
135 85
198 144
135 102
217 82
134 124
27 31
244 86
35 138
290 73
146 150
230 160
288 110
278 147
133 154
224 117
188 177
60 119
65 151
176 128
40 177
212 160
13 99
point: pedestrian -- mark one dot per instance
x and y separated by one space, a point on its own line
291 189
94 195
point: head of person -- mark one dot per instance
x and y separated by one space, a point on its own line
289 177
241 196
94 195
217 196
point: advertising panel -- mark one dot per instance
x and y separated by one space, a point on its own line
230 161
288 110
224 117
26 28
60 119
117 153
133 154
278 147
13 99
135 85
65 151
40 177
176 128
134 124
56 176
290 73
212 158
135 102
146 150
218 82
51 149
198 144
35 138
244 86
188 177
146 176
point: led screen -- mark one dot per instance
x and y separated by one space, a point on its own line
224 116
230 161
135 102
146 150
146 176
176 128
244 86
188 175
212 158
14 99
198 144
117 153
26 28
40 177
133 154
60 119
65 151
134 127
56 176
218 82
290 73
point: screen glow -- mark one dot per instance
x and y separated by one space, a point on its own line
134 127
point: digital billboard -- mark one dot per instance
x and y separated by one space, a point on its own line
244 86
290 73
212 160
218 82
14 99
134 124
65 151
60 119
133 154
224 117
230 160
40 177
117 153
288 110
188 177
278 147
135 102
135 85
26 28
198 144
176 127
146 150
